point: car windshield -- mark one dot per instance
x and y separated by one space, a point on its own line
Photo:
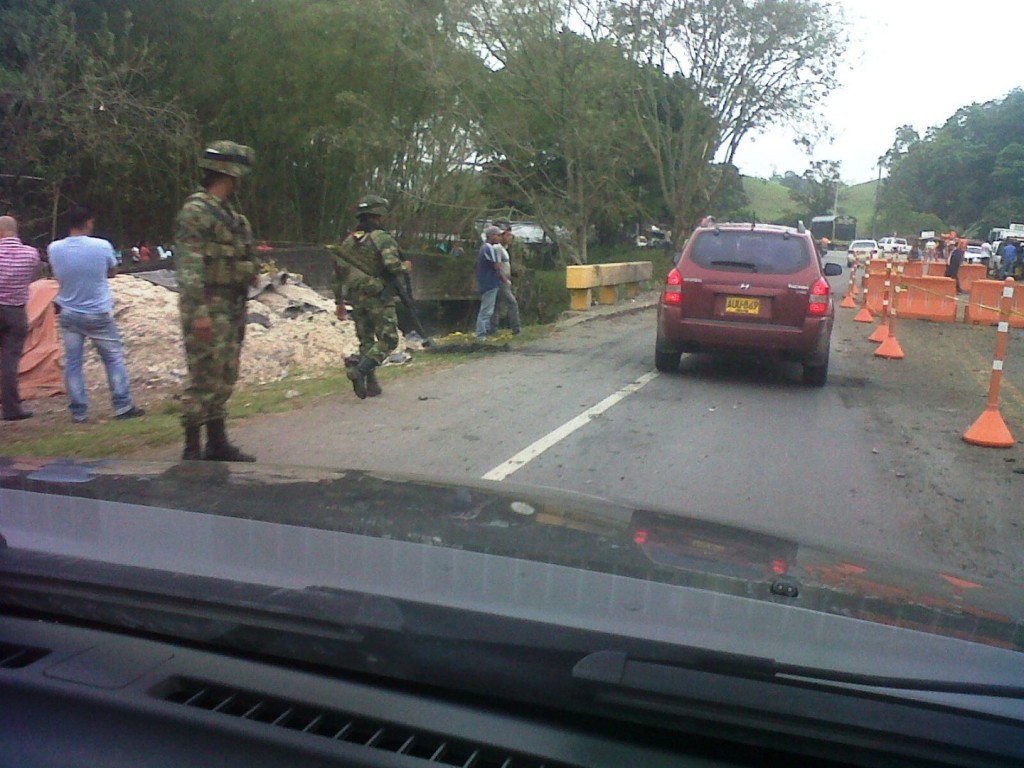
773 253
509 351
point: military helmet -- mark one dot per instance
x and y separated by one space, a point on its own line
228 158
372 205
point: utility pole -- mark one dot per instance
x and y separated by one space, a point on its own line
835 210
878 187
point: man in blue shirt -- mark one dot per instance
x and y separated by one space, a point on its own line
489 278
82 263
1008 262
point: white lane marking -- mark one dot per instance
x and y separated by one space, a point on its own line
535 449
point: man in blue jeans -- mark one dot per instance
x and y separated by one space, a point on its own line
82 263
489 279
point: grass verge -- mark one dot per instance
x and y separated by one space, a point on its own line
161 425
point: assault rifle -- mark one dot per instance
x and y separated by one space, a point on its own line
402 286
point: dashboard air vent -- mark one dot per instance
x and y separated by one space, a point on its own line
18 656
430 747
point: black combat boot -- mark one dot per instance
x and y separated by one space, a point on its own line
217 446
193 447
372 385
358 376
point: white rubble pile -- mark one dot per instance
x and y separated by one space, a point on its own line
302 338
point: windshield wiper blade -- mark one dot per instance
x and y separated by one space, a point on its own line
617 669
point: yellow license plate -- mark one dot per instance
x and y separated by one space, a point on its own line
741 305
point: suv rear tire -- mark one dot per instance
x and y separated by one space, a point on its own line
816 375
667 362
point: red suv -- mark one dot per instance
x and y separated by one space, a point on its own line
754 288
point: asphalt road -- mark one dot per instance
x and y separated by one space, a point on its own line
858 463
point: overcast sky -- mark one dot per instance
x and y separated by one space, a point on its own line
913 62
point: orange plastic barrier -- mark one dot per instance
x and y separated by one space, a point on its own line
927 298
984 306
877 267
935 269
913 269
970 274
875 285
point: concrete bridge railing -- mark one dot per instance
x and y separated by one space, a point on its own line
581 281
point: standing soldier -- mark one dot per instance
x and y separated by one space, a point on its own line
366 266
215 266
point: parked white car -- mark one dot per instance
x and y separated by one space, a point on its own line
894 245
975 254
862 251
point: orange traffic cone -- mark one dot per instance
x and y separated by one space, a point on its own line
851 290
881 333
890 348
990 431
864 316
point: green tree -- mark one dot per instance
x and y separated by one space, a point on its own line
817 193
966 172
745 66
78 122
548 113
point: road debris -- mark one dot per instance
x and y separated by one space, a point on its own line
289 326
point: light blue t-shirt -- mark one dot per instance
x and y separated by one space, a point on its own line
80 264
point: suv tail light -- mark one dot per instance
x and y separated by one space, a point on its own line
818 303
673 289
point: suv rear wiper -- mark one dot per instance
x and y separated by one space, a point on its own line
736 264
617 669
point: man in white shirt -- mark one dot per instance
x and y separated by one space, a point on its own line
505 295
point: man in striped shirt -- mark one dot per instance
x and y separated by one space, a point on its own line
18 266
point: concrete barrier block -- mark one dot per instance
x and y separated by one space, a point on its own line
580 298
580 279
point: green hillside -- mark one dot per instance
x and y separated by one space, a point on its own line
859 201
770 201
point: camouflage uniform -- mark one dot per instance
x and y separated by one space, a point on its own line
215 265
365 265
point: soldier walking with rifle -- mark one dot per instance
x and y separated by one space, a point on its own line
215 267
369 269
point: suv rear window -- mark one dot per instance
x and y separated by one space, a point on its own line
769 253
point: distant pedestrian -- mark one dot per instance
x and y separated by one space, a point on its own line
18 266
505 295
489 279
1008 260
956 258
82 263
